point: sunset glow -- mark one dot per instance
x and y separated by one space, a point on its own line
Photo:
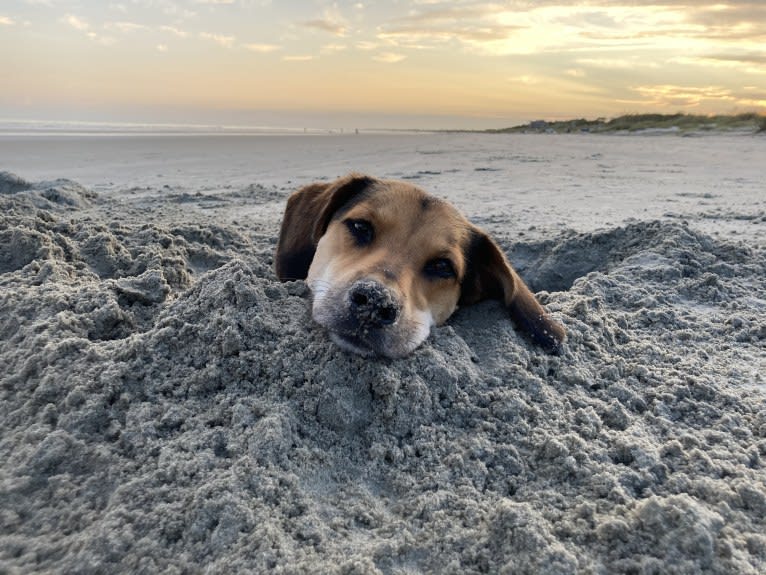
415 63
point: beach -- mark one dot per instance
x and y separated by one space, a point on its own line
168 406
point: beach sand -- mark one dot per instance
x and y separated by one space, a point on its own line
168 406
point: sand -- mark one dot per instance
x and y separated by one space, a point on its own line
167 406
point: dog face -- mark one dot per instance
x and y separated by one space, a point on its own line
385 262
380 279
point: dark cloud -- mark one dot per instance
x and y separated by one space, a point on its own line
742 58
476 21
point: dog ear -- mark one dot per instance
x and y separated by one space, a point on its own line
490 276
307 215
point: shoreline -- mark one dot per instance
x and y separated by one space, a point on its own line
630 124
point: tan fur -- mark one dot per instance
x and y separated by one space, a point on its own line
411 229
402 249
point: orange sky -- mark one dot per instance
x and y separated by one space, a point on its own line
416 63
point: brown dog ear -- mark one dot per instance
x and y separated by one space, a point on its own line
307 215
490 276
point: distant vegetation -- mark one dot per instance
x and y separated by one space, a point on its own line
681 123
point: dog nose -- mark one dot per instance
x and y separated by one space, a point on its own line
373 304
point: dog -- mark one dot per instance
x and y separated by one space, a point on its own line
385 262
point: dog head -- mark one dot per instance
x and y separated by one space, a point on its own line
385 262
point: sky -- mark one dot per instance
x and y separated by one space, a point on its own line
387 63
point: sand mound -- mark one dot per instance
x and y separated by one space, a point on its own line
61 194
167 406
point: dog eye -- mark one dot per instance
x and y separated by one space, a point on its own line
361 230
440 268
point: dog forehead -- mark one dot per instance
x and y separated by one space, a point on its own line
392 191
402 201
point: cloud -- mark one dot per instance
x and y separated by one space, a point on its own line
682 96
558 26
409 35
103 40
77 23
6 21
675 97
730 15
754 96
450 13
747 63
83 26
527 80
441 24
750 58
262 48
751 103
125 27
389 57
178 10
623 63
174 31
304 58
326 25
162 48
221 40
333 48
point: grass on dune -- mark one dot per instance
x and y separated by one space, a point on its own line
638 122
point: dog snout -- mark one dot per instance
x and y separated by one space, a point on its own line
373 304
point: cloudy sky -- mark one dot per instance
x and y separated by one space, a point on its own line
401 63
